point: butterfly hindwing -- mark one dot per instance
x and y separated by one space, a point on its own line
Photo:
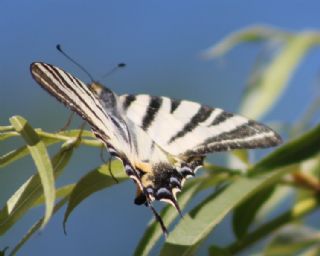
188 128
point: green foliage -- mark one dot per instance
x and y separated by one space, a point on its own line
229 190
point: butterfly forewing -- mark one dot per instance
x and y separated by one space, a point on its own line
78 97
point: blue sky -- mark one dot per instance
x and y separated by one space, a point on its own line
161 42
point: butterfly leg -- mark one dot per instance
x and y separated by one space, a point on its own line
113 154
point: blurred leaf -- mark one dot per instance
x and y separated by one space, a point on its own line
41 159
312 251
274 80
299 210
217 251
292 152
25 197
193 229
278 197
97 179
251 34
306 119
36 227
246 212
276 75
242 155
292 240
3 251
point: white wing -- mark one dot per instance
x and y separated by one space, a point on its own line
188 128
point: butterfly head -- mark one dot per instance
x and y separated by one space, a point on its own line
105 95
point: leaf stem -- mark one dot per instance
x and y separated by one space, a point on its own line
8 128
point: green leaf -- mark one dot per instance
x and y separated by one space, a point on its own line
60 193
217 251
41 159
294 151
195 227
275 78
25 197
3 251
246 212
251 34
48 139
242 155
299 210
292 240
97 179
36 227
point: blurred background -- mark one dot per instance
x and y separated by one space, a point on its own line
162 43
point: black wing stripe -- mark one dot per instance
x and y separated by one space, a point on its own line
203 113
223 116
154 106
69 87
48 84
40 71
128 100
174 105
248 130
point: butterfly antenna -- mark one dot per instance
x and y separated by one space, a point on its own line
119 66
74 62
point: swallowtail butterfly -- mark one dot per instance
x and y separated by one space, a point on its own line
161 141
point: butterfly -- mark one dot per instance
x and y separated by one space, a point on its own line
160 141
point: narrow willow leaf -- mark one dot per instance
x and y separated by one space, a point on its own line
41 159
245 213
60 193
259 100
36 227
251 34
292 240
25 197
195 227
49 139
19 153
97 179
